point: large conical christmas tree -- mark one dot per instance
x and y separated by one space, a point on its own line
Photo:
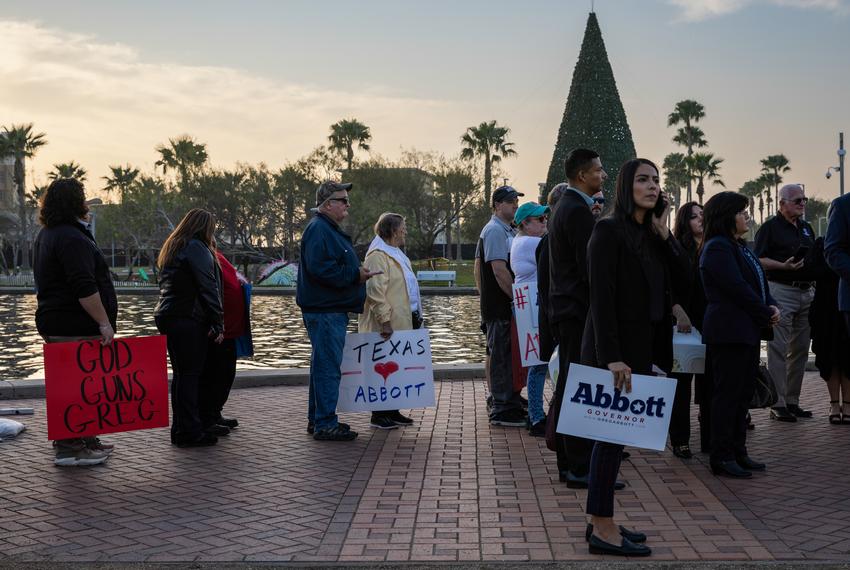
594 117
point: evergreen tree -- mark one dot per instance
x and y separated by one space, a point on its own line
594 117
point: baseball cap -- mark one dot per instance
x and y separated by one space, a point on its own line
327 189
505 193
530 210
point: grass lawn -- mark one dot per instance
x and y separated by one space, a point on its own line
462 268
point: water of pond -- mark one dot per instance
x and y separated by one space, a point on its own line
280 340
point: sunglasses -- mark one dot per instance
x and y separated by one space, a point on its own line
598 200
798 201
345 201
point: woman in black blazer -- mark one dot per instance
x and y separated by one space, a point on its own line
739 314
634 265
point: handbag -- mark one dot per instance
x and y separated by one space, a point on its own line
764 394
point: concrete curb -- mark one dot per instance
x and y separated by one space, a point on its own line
257 291
34 388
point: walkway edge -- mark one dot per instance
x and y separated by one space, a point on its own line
34 388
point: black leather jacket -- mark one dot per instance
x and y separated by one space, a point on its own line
190 286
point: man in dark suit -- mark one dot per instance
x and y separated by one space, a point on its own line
837 249
569 231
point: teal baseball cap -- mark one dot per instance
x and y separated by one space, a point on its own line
530 210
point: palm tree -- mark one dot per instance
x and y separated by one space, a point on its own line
122 178
686 113
676 176
775 164
487 140
751 189
345 134
20 142
768 181
68 170
184 155
704 166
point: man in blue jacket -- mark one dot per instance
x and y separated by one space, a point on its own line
331 284
837 250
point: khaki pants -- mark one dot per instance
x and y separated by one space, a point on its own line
788 352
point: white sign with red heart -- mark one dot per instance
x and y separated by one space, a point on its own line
391 374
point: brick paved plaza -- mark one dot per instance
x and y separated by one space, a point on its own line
448 488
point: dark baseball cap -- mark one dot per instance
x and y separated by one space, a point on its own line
327 189
505 193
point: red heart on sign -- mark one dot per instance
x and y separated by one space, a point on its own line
385 369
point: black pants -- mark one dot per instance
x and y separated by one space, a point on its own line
416 319
734 368
573 452
187 349
219 373
680 416
604 466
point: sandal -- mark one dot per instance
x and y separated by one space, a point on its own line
682 451
838 418
845 417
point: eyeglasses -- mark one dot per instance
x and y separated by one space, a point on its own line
345 201
598 200
797 201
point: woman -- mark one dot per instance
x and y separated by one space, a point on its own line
76 299
189 313
392 296
688 312
634 266
530 220
739 313
829 337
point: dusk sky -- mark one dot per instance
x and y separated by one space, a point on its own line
262 80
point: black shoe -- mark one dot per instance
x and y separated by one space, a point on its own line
730 469
383 422
628 548
227 422
218 430
538 429
625 455
339 432
311 428
750 464
782 415
624 532
511 418
799 412
205 440
682 452
750 425
398 418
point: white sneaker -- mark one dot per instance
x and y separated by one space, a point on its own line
73 456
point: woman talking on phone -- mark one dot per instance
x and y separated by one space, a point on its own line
634 264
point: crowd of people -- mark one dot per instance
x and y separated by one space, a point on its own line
611 290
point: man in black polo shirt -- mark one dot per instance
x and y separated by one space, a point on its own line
781 244
494 280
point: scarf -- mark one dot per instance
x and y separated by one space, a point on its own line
409 277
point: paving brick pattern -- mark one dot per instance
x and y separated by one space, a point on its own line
448 488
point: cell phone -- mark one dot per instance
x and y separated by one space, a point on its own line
801 253
660 204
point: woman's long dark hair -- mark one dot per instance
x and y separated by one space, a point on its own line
624 198
63 202
718 216
682 226
197 223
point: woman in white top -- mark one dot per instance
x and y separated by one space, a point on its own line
530 219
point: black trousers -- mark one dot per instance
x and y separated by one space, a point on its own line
573 452
187 350
219 373
604 466
734 368
680 416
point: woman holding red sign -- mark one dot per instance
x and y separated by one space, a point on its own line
189 313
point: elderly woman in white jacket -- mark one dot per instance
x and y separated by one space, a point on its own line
392 296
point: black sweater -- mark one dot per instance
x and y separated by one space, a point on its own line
69 266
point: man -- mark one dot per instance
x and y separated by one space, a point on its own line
837 250
598 205
331 284
548 340
569 294
781 244
494 281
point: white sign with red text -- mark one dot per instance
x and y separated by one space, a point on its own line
390 374
527 323
593 409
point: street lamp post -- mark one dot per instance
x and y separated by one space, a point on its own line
840 168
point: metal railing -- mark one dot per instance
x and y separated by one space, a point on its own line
28 281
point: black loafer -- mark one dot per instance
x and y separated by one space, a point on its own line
683 451
631 535
782 415
730 469
218 430
799 412
628 548
227 422
750 464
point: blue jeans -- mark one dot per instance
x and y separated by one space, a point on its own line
536 380
327 337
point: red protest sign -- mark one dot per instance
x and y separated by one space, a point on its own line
93 389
